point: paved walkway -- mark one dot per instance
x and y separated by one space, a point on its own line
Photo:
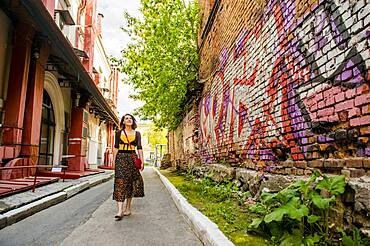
155 220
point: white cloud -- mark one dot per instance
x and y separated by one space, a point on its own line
115 40
126 104
113 37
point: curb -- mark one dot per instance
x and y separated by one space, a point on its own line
98 181
18 214
204 228
23 212
71 191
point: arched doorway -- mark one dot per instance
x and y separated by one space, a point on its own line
47 135
51 86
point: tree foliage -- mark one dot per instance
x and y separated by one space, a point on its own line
162 61
156 136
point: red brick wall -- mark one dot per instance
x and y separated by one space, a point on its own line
286 81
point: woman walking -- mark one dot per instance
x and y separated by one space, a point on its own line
128 182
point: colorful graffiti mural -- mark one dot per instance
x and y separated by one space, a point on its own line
296 85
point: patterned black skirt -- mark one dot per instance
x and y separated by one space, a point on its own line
128 181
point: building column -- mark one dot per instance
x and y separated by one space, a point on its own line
17 89
90 27
33 112
77 140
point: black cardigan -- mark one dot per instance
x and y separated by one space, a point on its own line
136 142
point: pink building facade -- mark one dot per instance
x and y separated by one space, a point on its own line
53 102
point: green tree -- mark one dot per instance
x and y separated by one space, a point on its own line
156 136
162 60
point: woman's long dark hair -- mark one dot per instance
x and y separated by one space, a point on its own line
122 124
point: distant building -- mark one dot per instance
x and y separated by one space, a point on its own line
154 143
58 90
143 128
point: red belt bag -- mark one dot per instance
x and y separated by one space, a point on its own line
134 156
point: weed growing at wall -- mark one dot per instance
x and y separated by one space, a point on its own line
300 213
355 239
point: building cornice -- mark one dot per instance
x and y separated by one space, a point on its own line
209 24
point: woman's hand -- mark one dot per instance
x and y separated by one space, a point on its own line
141 156
142 164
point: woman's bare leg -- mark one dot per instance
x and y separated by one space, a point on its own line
120 208
128 207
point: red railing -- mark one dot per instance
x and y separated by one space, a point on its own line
36 167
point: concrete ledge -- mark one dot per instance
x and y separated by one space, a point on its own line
204 228
108 177
2 221
71 191
95 182
32 208
100 180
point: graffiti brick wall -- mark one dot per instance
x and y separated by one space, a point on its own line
287 85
